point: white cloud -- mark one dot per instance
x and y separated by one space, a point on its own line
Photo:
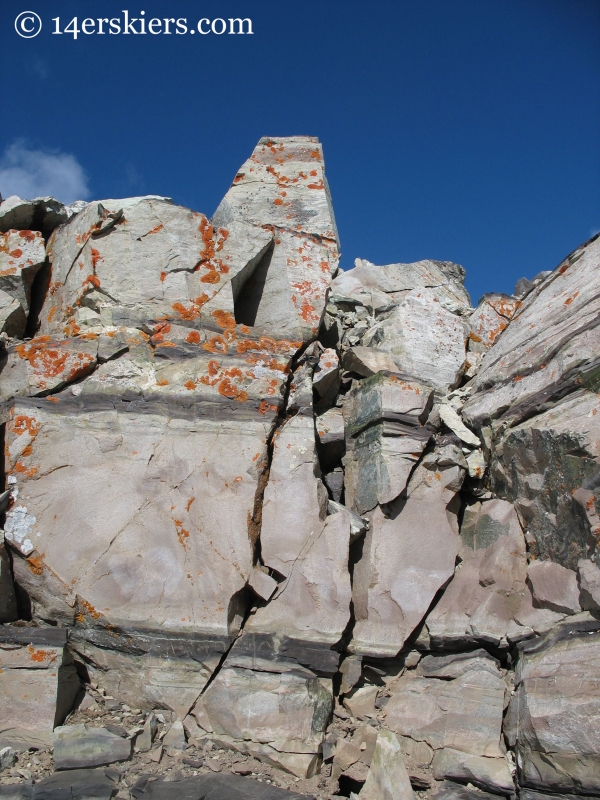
37 173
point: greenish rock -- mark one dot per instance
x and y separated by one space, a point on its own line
548 468
79 746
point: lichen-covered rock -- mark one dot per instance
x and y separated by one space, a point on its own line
489 319
22 254
38 684
139 436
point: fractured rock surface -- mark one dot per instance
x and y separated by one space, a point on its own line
267 526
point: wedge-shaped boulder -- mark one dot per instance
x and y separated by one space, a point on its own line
548 467
550 347
38 684
425 339
489 319
367 361
387 778
283 187
553 715
554 587
489 585
278 717
407 557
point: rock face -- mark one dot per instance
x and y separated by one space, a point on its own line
553 714
336 522
38 684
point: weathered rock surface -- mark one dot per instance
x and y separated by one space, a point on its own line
42 214
425 339
79 746
589 582
553 715
408 555
277 716
443 278
554 587
384 438
549 348
548 467
487 589
22 254
38 684
455 705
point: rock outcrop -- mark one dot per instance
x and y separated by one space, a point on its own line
337 531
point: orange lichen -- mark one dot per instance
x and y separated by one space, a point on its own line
36 564
193 337
190 385
89 608
182 533
39 656
189 503
223 319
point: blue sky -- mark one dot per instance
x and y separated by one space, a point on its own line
462 130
